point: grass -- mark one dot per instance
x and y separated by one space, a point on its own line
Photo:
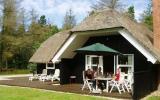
17 93
154 98
16 71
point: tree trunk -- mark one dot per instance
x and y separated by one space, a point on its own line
6 64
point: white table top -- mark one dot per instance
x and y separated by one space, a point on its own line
103 78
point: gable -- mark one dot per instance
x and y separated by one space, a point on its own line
103 21
150 57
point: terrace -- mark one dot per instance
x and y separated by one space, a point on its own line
71 88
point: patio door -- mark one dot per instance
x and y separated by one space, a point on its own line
93 61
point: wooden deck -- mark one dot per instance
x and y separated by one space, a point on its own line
72 88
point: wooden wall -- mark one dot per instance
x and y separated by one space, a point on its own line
145 73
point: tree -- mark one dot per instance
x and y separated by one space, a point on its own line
42 21
34 24
108 4
21 23
9 24
69 20
15 48
9 48
147 17
0 43
9 16
131 12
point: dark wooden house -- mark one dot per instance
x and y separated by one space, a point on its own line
114 30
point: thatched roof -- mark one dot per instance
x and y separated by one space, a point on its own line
100 20
50 47
111 19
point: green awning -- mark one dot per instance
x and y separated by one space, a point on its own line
97 48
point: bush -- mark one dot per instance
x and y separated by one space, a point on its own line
32 67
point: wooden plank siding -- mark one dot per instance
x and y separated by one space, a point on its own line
145 73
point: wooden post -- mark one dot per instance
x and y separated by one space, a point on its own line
159 77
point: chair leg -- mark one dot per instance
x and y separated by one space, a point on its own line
127 87
58 79
51 80
90 89
117 85
113 85
123 88
83 85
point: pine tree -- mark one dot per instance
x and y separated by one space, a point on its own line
69 20
34 26
9 17
147 17
9 24
131 12
42 21
21 23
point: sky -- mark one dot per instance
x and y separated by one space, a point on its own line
54 10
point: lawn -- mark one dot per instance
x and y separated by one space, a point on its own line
154 98
17 93
16 71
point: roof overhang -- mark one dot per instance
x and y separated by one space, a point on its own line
57 56
99 31
77 40
150 57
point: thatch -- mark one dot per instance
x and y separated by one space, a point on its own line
111 19
99 20
107 19
49 48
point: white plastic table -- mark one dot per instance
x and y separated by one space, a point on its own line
104 79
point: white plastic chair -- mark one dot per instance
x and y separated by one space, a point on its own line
56 75
86 83
39 76
43 75
51 77
129 82
34 77
119 84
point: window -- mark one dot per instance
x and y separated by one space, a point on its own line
125 60
125 63
94 61
50 66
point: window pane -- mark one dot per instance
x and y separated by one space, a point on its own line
125 60
50 65
87 60
130 60
95 60
124 69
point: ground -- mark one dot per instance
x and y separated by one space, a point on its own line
72 88
153 96
17 93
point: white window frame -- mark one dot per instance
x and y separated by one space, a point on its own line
88 64
150 57
124 65
50 67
